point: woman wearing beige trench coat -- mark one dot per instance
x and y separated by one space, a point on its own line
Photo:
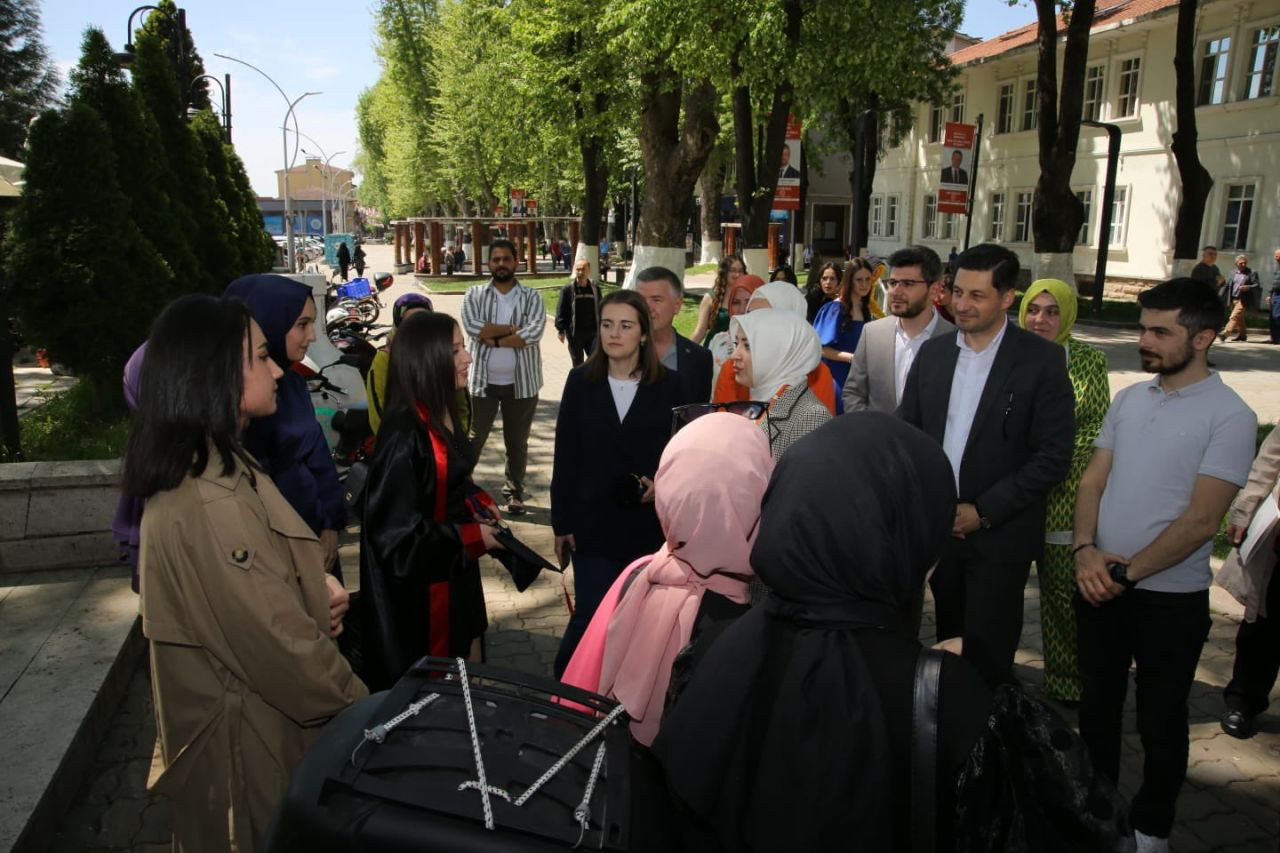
234 602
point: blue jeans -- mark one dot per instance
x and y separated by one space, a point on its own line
592 577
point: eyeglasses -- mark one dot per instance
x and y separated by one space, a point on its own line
891 283
752 410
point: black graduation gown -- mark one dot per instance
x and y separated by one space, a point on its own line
405 552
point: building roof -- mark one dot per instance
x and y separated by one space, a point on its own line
1107 15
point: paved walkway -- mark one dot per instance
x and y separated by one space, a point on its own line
1231 801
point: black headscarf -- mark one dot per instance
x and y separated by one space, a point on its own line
778 742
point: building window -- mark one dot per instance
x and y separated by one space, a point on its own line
1260 81
891 216
1130 71
1029 105
877 215
1236 217
1213 71
997 217
1022 218
935 124
930 231
1086 198
1119 209
957 107
948 226
1005 123
1094 92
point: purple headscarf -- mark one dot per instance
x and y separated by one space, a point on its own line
126 527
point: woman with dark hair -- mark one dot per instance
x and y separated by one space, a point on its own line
839 323
289 443
823 286
375 383
784 272
713 311
344 260
795 730
423 530
234 600
614 421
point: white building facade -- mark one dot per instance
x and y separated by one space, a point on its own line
1129 81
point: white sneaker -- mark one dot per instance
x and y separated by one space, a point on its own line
1150 843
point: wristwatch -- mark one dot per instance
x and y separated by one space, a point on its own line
1120 574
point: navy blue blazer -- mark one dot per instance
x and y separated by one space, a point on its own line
693 369
1021 441
595 452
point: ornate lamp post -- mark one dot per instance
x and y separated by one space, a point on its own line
226 99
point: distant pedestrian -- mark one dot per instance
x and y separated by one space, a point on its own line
555 254
1244 287
566 254
1171 455
344 260
578 313
1273 300
1208 272
357 260
807 257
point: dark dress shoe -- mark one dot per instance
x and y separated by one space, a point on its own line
1238 724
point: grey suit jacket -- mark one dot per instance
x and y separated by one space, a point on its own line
870 384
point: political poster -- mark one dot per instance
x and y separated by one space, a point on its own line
531 207
517 202
786 195
957 166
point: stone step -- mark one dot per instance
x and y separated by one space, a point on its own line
68 641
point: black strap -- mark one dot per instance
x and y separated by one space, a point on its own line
924 751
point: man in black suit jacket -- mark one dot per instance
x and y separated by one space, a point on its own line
664 292
999 401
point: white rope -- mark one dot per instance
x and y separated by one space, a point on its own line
568 756
480 782
583 812
378 734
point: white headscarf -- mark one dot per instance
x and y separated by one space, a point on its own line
782 295
784 348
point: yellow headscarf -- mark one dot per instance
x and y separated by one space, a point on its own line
1066 299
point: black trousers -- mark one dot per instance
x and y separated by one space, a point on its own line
1162 633
1257 657
980 600
580 348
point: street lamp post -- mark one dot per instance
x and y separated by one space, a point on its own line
226 99
324 178
284 136
340 194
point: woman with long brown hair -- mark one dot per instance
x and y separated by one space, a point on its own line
713 312
839 323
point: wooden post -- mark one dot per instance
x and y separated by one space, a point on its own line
395 239
419 242
437 246
775 230
531 244
731 241
477 240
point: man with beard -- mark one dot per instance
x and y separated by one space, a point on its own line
504 320
1170 457
998 400
888 346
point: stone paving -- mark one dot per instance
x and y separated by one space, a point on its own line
1230 802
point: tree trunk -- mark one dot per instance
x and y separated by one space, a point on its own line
849 113
1056 213
710 184
675 150
757 165
1196 180
596 176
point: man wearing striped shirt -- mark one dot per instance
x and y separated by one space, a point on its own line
504 321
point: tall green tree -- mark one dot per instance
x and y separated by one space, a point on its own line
79 266
28 80
252 249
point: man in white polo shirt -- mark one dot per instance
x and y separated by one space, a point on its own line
1170 457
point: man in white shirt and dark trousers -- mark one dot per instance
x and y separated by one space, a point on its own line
1170 457
504 321
999 401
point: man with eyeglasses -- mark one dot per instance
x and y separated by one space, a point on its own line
888 346
999 401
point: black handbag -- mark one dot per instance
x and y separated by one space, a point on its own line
924 751
353 486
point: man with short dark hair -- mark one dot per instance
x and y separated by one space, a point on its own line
1171 455
888 346
664 292
504 320
955 174
1208 272
998 400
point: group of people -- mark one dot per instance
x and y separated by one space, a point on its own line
749 567
1239 292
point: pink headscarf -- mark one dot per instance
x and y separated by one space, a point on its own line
708 491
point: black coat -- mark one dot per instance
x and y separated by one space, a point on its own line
694 367
1021 441
570 325
594 456
404 551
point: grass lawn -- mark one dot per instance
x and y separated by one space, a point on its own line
66 427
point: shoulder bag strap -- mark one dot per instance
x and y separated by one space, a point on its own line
924 751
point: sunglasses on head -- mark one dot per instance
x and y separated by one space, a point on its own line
752 410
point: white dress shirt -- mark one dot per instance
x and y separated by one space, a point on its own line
905 350
972 370
502 361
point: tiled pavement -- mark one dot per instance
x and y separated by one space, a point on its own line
1230 802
